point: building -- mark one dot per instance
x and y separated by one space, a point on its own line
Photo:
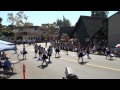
114 30
89 30
32 32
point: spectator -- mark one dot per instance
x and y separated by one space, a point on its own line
7 65
1 64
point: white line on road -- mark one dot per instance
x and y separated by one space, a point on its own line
115 69
103 67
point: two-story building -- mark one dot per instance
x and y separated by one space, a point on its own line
32 32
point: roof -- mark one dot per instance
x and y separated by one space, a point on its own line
92 24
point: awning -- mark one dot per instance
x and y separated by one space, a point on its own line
117 46
6 43
6 46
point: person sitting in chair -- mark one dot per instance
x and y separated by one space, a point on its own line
7 65
1 64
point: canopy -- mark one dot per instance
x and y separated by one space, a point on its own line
6 46
6 43
117 46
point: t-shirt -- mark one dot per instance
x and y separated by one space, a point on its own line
7 63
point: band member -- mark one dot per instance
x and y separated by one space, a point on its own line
57 50
80 55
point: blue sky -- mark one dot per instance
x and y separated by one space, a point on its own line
42 17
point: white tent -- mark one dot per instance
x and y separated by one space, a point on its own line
117 46
6 46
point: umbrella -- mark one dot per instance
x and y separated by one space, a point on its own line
117 46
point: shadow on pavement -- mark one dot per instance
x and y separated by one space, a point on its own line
34 57
7 75
82 63
42 66
22 59
111 59
57 57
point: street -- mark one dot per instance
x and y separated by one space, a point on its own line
98 67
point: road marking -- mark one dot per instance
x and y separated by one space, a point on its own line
68 59
115 69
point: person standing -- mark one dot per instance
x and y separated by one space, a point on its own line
49 53
44 56
36 50
108 52
46 43
88 52
39 50
57 50
66 49
24 53
80 55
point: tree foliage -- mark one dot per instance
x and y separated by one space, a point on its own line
0 24
64 22
0 20
100 13
8 33
18 20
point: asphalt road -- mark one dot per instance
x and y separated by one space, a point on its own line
95 68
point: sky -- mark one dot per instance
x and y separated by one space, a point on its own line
43 17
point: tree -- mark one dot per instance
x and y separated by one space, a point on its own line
65 22
100 13
59 23
18 20
0 20
0 24
10 27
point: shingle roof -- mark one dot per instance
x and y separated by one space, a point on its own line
92 24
